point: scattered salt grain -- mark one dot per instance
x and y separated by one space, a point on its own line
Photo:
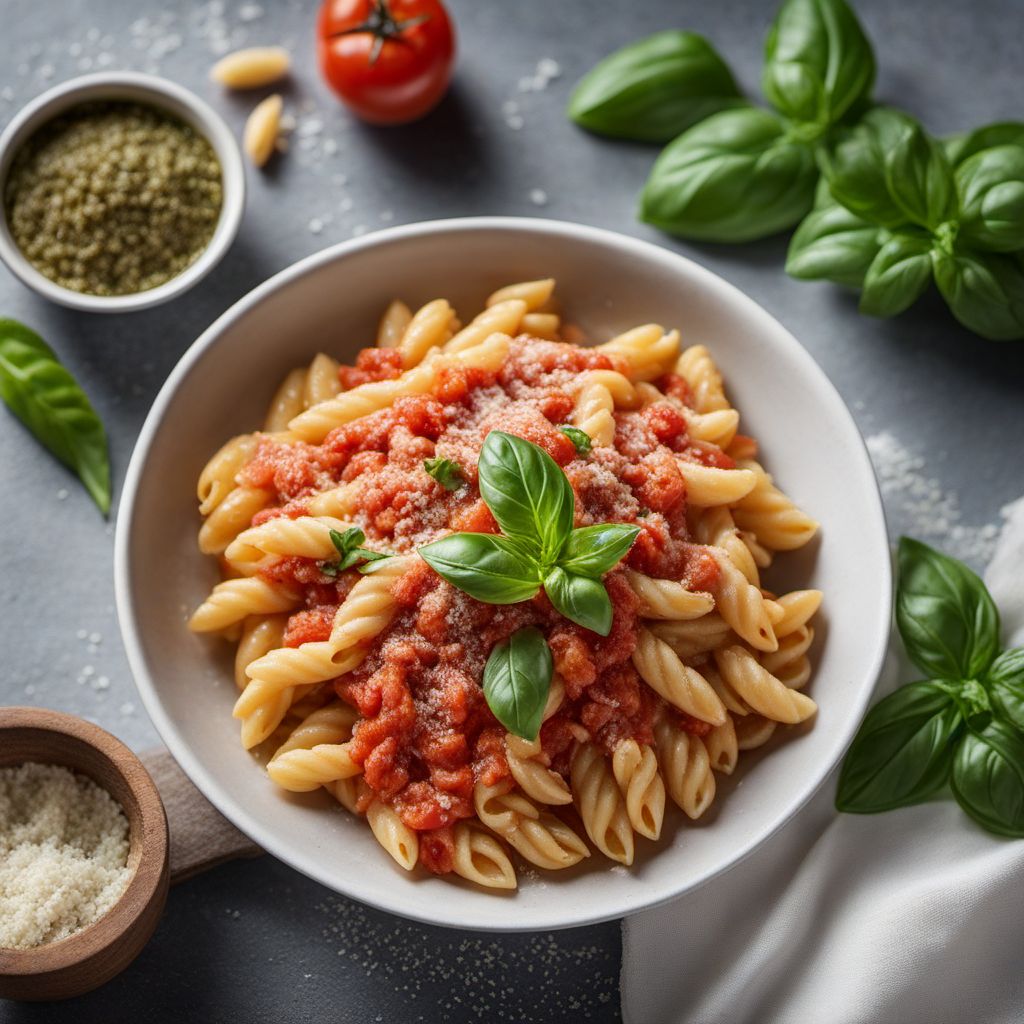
359 229
127 708
250 12
95 638
387 216
538 197
316 225
62 494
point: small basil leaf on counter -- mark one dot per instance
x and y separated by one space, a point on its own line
945 614
988 778
920 179
902 752
733 177
984 291
1005 679
517 679
898 275
580 438
580 598
818 62
491 569
527 493
48 400
1003 133
654 88
991 187
446 472
594 550
833 244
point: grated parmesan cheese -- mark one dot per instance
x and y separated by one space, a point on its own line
63 854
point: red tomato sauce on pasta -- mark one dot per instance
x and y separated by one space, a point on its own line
427 735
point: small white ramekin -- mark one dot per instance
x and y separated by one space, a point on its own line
158 92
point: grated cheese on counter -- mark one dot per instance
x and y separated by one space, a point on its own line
63 854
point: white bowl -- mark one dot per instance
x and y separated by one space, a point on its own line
607 282
157 92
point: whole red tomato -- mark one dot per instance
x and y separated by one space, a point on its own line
389 60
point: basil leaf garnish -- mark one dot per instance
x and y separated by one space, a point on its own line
595 550
446 472
1005 680
581 440
988 778
517 679
991 188
902 752
654 88
946 617
920 179
495 570
350 552
47 399
1003 133
580 598
833 244
984 291
898 275
527 493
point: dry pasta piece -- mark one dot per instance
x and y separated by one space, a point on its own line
683 687
428 329
262 128
790 664
534 294
668 599
230 517
252 68
537 836
718 426
754 731
770 516
287 402
369 607
337 503
541 325
798 607
400 841
742 605
685 767
321 381
635 768
393 324
503 318
600 804
709 485
260 634
301 770
233 600
648 350
330 724
760 689
694 637
478 857
721 745
217 480
303 537
698 369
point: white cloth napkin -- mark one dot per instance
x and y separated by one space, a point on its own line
912 916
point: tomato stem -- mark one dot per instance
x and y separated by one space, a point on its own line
382 24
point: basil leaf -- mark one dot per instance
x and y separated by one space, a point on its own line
988 778
47 399
855 166
833 244
517 679
447 473
898 275
527 493
491 569
581 440
920 179
991 187
985 292
594 550
902 752
966 144
653 89
1005 680
818 62
733 177
580 598
347 545
945 614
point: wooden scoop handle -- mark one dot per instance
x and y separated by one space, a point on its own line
201 837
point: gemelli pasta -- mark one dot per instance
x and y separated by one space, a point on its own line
366 670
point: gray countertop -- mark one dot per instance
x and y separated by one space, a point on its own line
942 410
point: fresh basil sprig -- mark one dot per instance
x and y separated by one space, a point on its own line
965 725
446 472
517 678
533 503
351 553
653 89
47 399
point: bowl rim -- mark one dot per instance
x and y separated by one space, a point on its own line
265 835
159 92
152 837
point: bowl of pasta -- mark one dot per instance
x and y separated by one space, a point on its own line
538 575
